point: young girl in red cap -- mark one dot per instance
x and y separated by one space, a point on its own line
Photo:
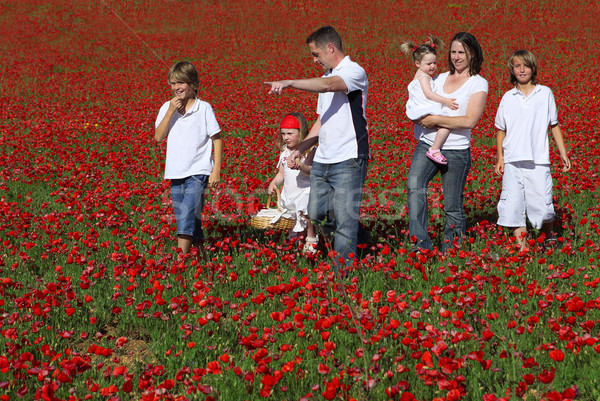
296 182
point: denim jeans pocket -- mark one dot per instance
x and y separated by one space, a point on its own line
360 162
200 178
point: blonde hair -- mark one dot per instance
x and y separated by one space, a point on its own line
418 51
529 60
184 71
303 129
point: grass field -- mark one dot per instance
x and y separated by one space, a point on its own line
96 304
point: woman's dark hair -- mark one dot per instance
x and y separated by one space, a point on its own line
473 49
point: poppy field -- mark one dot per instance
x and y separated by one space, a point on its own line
96 303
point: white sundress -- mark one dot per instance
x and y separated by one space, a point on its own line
296 188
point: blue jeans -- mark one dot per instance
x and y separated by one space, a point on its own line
454 176
188 202
335 199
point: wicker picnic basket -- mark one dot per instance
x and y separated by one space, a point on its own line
262 219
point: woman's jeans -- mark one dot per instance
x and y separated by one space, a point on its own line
454 176
334 203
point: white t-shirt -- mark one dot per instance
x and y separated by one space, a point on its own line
525 121
343 134
189 144
458 138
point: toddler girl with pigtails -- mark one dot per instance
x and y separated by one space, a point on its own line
422 100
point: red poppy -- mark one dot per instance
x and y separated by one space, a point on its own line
557 355
547 376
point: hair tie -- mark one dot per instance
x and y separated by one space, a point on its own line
432 45
290 121
415 47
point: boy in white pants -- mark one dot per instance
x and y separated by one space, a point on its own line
523 154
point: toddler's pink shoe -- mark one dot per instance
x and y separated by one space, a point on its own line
436 156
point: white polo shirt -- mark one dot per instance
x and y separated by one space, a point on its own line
189 144
525 121
343 134
458 138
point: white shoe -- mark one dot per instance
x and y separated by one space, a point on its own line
310 246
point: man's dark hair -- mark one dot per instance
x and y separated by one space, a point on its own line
325 35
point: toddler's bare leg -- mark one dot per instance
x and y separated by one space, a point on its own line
440 138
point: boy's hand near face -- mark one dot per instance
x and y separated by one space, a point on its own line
177 105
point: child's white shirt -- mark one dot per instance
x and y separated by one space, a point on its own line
525 119
418 105
458 138
292 179
189 144
296 189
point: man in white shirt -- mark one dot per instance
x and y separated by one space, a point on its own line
340 163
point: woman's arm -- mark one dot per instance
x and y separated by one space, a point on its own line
468 121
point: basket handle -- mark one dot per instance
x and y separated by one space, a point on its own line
278 199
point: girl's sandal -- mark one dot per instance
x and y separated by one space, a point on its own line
436 156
